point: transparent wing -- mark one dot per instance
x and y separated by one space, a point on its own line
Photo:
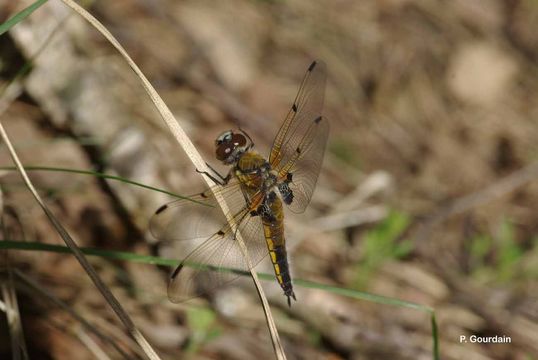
305 164
201 272
197 217
201 219
300 143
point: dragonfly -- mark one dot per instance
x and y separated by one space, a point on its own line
256 190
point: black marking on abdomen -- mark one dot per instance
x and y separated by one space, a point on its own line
280 253
286 280
282 262
161 209
267 215
284 272
317 120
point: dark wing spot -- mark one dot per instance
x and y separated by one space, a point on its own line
312 66
317 120
220 232
298 150
177 270
204 195
294 107
161 209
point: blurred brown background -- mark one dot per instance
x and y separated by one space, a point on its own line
428 190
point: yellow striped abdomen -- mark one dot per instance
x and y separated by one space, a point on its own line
253 172
273 228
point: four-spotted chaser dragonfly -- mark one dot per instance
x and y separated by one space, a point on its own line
254 190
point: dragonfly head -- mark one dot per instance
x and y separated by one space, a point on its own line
230 146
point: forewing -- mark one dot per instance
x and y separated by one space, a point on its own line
197 217
201 272
306 107
300 143
305 164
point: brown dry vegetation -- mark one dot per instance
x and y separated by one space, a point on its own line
433 150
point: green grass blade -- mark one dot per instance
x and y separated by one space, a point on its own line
435 336
112 255
99 175
23 14
154 260
355 294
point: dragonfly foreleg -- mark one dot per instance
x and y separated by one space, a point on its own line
222 180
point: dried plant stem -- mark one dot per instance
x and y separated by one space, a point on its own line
194 156
91 345
9 295
107 294
13 316
36 288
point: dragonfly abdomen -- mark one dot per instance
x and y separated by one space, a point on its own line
273 226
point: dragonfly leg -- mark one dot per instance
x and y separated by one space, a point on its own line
222 180
215 180
238 223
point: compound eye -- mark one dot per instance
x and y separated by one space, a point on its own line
238 140
223 151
